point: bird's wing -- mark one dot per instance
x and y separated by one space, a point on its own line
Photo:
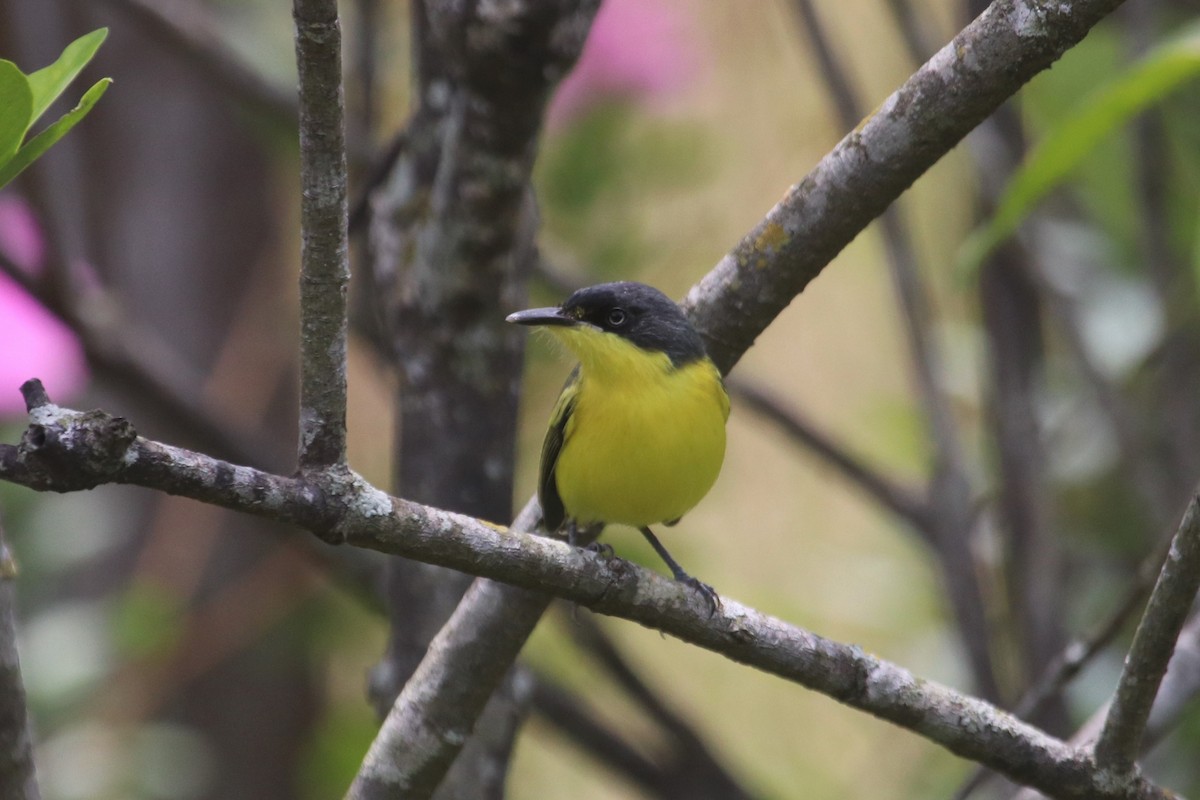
553 513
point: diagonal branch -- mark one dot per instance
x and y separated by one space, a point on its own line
64 450
898 498
967 80
1153 644
324 249
690 768
119 346
189 32
984 65
950 515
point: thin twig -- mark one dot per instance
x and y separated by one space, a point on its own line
984 65
901 500
127 352
918 41
324 254
950 516
1152 646
18 777
64 450
1078 654
693 769
187 29
559 708
1179 687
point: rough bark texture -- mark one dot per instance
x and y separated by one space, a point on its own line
452 245
952 93
1153 644
968 79
324 253
64 450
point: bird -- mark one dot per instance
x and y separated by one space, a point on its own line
637 436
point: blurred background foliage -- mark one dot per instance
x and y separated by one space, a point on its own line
173 651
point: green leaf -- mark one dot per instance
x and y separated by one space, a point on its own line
1053 159
39 144
16 108
50 82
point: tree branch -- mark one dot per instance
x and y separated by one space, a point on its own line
900 500
18 778
1153 644
132 354
952 93
968 79
691 770
187 30
324 254
950 516
65 450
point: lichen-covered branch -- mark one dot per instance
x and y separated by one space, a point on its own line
968 79
451 246
1153 644
65 450
904 501
324 252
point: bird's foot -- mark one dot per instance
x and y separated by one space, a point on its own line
602 549
711 598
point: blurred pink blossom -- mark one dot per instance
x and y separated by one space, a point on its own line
638 50
33 342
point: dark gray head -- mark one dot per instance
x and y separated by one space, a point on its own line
634 311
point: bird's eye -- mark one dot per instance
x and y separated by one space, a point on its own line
616 317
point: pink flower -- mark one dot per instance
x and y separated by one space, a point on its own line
33 342
638 50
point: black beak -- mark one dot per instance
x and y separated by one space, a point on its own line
541 316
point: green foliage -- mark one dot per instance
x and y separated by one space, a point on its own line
25 98
1163 70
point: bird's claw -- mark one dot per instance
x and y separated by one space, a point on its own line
711 598
602 549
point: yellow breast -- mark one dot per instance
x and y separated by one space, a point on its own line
645 441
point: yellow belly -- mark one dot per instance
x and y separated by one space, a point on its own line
644 451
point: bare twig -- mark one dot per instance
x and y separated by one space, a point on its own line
137 356
914 31
186 29
18 778
947 97
738 299
691 769
900 500
1152 646
558 707
950 516
324 255
1179 688
65 450
1073 658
